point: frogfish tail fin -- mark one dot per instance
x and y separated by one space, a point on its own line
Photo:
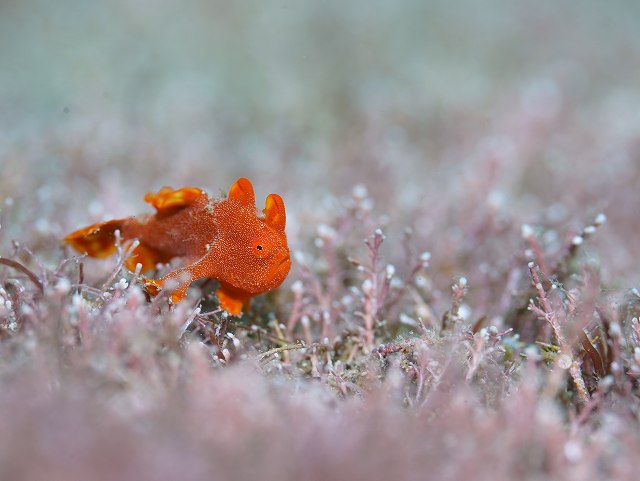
96 240
99 240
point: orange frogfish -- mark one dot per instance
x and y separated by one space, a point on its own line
224 239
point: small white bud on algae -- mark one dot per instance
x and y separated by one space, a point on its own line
360 191
390 271
346 300
564 361
236 341
572 451
296 287
607 381
615 330
526 231
407 320
577 240
464 311
326 231
63 286
600 219
425 256
77 301
532 353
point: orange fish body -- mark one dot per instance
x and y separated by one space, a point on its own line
223 239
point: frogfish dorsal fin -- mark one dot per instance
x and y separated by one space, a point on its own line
168 200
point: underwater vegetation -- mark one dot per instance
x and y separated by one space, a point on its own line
454 293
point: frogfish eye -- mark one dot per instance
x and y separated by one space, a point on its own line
260 248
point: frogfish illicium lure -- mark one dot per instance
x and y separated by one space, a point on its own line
225 239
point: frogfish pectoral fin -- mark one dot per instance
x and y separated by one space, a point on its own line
179 293
176 282
232 301
147 256
152 286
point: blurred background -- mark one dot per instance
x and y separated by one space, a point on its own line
313 67
445 111
481 127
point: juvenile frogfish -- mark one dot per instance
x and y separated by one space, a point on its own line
225 239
